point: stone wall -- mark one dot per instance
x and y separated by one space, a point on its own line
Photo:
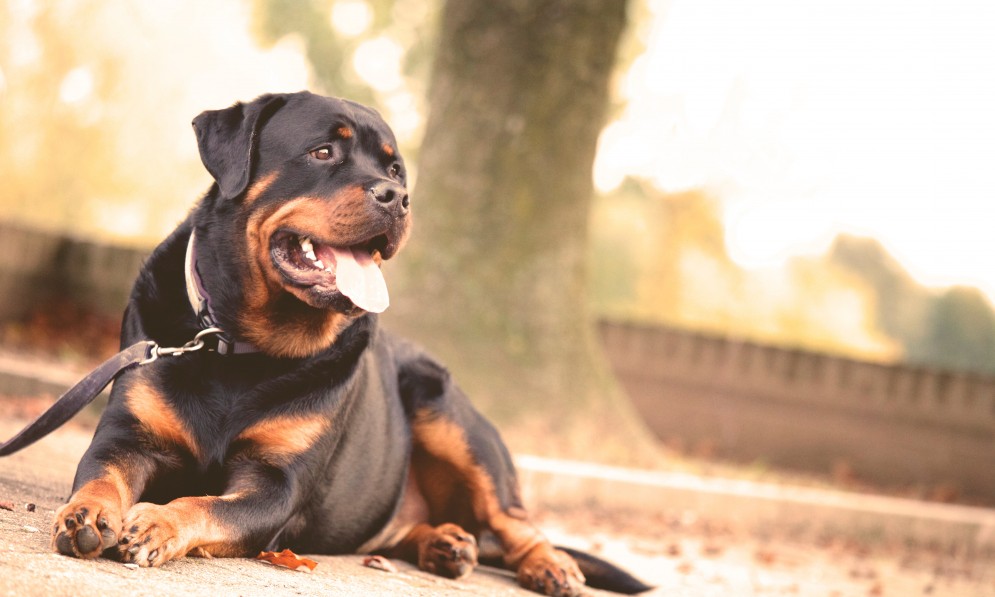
37 267
888 423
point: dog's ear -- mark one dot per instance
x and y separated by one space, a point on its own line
227 140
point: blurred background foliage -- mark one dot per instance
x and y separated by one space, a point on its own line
856 299
96 100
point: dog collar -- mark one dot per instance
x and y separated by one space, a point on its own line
200 301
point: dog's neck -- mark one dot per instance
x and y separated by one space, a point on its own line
200 301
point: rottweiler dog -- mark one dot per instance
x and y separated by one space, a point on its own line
301 424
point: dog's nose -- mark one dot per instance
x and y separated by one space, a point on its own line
391 195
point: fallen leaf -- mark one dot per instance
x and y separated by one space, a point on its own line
286 559
380 563
30 528
7 506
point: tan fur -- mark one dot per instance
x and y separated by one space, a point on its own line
179 527
109 489
280 439
156 416
298 330
445 440
104 498
259 187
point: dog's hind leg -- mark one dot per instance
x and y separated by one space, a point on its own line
466 476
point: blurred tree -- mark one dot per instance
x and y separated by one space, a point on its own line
661 258
959 334
326 51
67 84
955 329
494 279
902 305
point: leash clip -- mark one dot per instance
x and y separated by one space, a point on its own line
197 343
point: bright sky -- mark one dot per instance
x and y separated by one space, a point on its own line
874 117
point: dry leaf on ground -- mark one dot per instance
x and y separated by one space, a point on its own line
286 559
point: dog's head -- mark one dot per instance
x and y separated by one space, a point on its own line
316 189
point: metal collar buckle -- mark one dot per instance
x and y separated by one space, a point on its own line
196 344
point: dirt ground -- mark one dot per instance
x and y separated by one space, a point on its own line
684 555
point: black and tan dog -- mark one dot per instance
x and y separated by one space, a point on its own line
305 426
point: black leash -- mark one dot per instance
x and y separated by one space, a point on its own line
88 388
137 354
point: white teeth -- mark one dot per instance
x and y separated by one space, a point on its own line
308 248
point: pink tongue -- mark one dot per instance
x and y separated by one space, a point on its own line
358 277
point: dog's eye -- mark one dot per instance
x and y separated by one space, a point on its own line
394 170
322 153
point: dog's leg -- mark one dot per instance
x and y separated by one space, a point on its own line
459 458
485 470
257 501
110 478
251 512
206 525
90 522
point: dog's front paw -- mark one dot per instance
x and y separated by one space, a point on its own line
151 536
549 571
85 527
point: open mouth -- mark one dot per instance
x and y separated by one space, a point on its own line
322 272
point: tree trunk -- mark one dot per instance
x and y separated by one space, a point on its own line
494 279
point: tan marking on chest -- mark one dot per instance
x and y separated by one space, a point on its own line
280 439
158 418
